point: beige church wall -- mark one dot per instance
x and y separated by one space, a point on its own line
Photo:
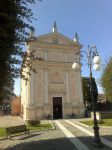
24 113
73 84
75 94
28 92
56 83
43 112
39 112
73 89
61 41
61 56
23 98
56 76
61 46
80 87
39 53
74 80
78 110
39 87
67 110
71 57
33 113
30 114
47 110
56 56
47 40
72 75
24 93
57 88
25 90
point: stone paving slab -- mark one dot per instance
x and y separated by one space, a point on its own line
105 132
6 121
87 140
41 140
48 140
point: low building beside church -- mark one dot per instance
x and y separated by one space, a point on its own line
55 90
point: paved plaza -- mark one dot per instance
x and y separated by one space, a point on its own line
68 135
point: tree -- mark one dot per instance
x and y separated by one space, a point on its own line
106 79
15 20
86 91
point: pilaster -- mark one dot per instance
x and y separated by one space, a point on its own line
46 86
32 88
67 87
80 93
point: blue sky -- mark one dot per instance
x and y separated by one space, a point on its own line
91 19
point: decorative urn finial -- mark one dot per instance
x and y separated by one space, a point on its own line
76 39
32 32
54 29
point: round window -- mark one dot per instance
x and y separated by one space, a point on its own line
55 40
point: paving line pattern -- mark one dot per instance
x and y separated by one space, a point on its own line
104 141
77 143
82 124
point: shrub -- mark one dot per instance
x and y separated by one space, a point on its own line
33 122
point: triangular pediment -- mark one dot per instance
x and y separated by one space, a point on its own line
56 38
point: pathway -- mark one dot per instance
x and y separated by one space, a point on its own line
69 135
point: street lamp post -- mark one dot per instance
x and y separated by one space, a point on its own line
92 59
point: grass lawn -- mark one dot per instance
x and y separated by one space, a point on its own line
103 122
2 132
37 127
40 126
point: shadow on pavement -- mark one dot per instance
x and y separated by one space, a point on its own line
23 137
56 144
20 137
52 144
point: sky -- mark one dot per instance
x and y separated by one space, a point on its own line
91 19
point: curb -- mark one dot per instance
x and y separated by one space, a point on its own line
82 124
53 127
91 126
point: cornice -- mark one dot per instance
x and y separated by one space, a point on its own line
50 46
47 64
53 34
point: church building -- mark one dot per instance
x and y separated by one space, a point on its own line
55 90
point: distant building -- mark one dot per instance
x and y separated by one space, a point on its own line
16 106
55 91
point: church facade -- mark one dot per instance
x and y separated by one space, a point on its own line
55 90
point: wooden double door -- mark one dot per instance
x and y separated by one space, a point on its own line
57 108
